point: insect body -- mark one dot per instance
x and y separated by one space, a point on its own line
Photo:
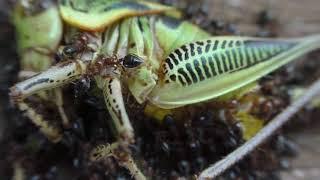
167 62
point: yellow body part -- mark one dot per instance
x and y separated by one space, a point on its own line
97 15
250 124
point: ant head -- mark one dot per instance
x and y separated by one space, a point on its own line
131 61
69 51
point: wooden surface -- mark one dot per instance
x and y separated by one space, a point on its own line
295 17
307 165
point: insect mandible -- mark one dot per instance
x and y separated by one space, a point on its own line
161 59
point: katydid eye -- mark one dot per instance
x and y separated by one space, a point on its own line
132 61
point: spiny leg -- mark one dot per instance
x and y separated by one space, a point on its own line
59 103
58 97
112 93
55 76
52 131
111 88
123 156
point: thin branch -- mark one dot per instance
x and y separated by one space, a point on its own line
222 165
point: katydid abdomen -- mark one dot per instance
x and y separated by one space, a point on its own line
215 66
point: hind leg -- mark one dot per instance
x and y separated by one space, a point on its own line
52 78
119 150
51 129
59 103
57 97
121 154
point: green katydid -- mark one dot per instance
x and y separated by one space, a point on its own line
163 60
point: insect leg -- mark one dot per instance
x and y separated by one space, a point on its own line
55 76
115 150
57 99
111 88
59 103
112 93
52 131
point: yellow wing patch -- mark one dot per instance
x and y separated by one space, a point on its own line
97 15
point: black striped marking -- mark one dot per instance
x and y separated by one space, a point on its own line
235 59
247 57
200 43
168 61
179 54
173 77
181 81
205 66
186 52
199 50
140 25
224 62
192 49
230 44
215 46
207 49
254 55
235 56
212 66
261 51
198 69
191 72
173 57
219 66
223 45
39 81
185 75
240 57
238 43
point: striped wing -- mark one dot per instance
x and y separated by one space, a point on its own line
206 69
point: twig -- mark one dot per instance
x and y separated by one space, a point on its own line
222 165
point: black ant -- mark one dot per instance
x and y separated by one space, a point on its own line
78 45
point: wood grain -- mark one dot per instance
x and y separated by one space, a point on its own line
295 17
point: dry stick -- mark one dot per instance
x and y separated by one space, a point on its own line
222 165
